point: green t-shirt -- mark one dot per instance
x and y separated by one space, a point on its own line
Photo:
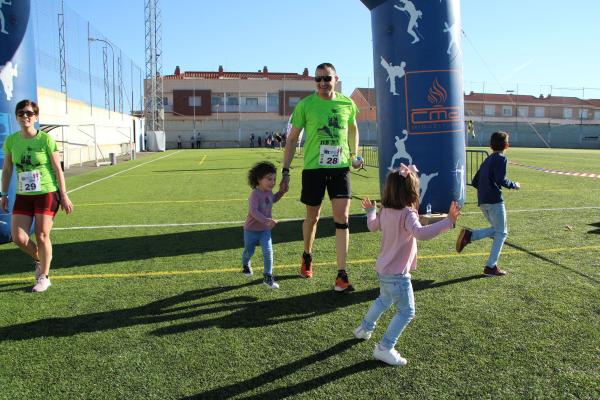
325 124
33 154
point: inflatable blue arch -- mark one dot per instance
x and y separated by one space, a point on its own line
417 60
17 82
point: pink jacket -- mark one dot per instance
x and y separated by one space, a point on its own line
400 231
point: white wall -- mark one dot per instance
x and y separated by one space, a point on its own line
86 133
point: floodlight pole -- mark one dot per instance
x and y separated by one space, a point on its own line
91 39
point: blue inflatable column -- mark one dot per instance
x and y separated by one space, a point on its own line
17 80
420 108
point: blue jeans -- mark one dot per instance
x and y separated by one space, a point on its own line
251 239
398 290
496 215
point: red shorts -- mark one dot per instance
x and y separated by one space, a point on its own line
30 205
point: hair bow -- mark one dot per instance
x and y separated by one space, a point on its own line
404 170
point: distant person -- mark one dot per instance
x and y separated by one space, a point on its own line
278 140
192 142
40 189
257 229
252 140
328 119
198 141
179 145
399 223
259 141
489 181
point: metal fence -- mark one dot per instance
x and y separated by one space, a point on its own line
90 66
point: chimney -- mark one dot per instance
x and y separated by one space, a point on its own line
265 71
305 72
220 70
177 71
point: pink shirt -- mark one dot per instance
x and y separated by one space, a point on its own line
260 205
400 231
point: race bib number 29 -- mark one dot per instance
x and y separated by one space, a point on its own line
330 155
29 181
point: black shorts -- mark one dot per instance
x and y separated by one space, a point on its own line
314 182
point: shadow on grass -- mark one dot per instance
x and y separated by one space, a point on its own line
550 261
283 371
106 251
595 231
20 287
198 310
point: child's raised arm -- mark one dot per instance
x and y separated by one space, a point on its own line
372 217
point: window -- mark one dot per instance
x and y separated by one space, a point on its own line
251 101
596 114
567 113
194 101
507 111
523 111
232 101
489 110
583 113
293 100
540 112
216 99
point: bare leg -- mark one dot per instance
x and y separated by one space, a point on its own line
20 234
309 227
341 210
43 226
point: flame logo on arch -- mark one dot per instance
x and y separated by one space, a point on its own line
437 94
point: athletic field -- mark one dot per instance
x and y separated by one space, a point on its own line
148 300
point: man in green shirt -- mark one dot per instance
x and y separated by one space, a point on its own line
331 144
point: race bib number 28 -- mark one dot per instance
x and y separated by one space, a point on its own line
29 181
330 155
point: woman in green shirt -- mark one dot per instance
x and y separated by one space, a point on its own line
40 189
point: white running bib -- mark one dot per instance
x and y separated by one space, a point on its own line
29 181
330 155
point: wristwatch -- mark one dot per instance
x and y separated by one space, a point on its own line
285 171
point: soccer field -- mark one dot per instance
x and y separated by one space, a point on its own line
148 300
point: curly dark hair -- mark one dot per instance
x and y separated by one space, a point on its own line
259 171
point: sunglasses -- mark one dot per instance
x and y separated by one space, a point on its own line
22 113
326 78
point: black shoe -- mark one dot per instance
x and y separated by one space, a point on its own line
247 270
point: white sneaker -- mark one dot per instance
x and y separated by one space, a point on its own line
391 356
42 284
360 333
38 270
270 282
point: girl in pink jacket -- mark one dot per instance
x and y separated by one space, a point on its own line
400 227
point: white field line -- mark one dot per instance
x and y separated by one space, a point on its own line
120 172
241 222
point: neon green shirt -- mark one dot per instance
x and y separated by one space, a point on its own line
33 154
325 124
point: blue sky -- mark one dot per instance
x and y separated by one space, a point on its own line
543 46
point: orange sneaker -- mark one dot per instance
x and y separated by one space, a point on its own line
306 270
342 284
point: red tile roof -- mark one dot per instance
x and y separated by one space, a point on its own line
368 94
221 74
527 99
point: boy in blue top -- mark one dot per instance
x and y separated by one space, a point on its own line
489 181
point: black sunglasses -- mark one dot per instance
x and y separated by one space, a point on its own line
326 78
22 113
